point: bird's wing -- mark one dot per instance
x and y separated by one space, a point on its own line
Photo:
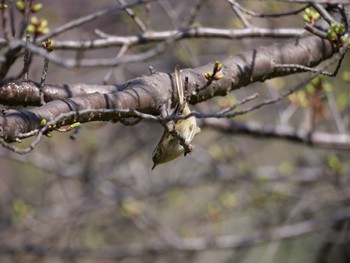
179 88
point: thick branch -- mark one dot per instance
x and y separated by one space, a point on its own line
29 93
148 93
258 65
142 94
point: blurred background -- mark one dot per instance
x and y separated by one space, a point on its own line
236 198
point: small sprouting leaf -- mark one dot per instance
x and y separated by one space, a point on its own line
31 29
43 122
327 87
331 35
306 18
316 16
208 75
217 66
37 7
75 125
218 76
50 48
308 11
20 5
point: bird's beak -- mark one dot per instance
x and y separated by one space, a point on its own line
154 166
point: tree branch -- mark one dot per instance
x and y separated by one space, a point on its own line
158 36
27 93
85 19
186 245
148 93
260 130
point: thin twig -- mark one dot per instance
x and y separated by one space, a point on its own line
59 118
240 14
339 57
4 17
333 2
324 13
174 19
82 20
316 31
245 100
335 112
285 132
12 17
195 244
44 72
71 63
148 7
169 37
25 19
254 14
121 52
301 68
193 13
133 16
42 80
26 59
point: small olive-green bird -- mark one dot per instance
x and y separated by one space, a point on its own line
169 148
